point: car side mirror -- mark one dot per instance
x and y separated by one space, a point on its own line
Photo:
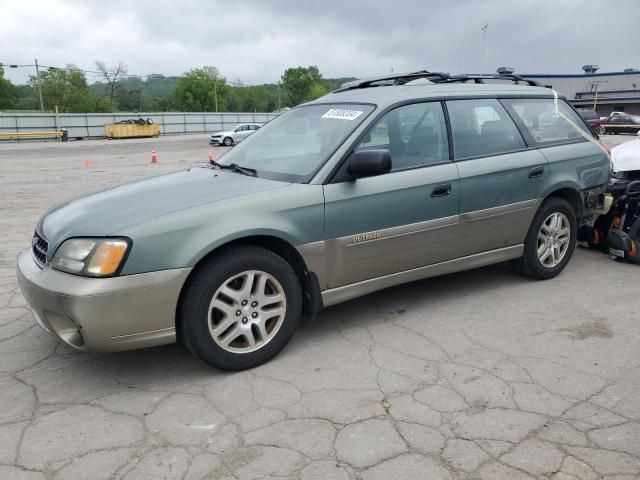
367 163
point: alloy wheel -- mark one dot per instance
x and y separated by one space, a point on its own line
247 311
554 239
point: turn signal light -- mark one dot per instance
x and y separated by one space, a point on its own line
107 257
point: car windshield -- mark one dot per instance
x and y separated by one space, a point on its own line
294 145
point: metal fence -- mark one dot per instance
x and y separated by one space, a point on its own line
91 125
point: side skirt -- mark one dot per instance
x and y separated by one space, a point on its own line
358 289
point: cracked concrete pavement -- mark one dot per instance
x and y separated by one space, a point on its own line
477 375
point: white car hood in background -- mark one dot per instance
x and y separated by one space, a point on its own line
626 157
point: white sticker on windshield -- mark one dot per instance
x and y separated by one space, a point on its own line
342 114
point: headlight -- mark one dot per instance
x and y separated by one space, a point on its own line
91 257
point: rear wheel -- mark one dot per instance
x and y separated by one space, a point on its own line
240 309
550 241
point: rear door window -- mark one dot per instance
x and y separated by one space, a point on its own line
482 127
542 125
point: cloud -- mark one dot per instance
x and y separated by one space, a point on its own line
256 40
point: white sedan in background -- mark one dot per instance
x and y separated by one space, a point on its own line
235 135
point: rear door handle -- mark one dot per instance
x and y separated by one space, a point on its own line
441 190
536 172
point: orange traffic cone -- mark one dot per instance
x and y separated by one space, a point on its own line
210 156
86 163
154 157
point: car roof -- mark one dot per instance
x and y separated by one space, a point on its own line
391 94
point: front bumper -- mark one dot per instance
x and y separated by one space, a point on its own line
103 314
215 141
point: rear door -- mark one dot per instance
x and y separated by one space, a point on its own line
404 219
501 179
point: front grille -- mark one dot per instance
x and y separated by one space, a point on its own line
39 248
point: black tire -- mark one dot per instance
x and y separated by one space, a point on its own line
530 265
227 142
193 315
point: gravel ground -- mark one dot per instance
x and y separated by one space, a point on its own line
481 374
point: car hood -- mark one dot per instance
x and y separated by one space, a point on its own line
626 157
226 132
106 212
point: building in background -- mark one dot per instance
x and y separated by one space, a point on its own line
609 92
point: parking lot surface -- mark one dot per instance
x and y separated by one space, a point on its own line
482 374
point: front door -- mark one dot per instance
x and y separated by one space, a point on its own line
401 220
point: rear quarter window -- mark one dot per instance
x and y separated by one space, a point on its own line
542 125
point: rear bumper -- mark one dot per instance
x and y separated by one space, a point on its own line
106 314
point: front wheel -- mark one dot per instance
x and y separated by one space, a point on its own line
228 141
550 241
240 308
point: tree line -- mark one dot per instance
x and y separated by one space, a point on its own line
197 90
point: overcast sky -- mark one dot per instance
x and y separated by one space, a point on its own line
254 41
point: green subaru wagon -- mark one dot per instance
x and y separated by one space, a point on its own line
384 181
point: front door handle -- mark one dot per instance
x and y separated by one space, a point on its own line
441 190
536 172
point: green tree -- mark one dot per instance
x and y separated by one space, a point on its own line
27 98
8 92
68 89
248 99
317 90
199 90
130 100
298 82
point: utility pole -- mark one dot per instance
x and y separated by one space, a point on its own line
596 85
279 100
215 90
39 86
484 41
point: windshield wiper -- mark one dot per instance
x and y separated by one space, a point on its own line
234 167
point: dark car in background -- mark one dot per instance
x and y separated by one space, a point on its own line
621 123
591 117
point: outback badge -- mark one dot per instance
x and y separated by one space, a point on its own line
365 237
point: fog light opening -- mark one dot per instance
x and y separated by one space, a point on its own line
72 336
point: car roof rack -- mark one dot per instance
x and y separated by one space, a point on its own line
433 77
